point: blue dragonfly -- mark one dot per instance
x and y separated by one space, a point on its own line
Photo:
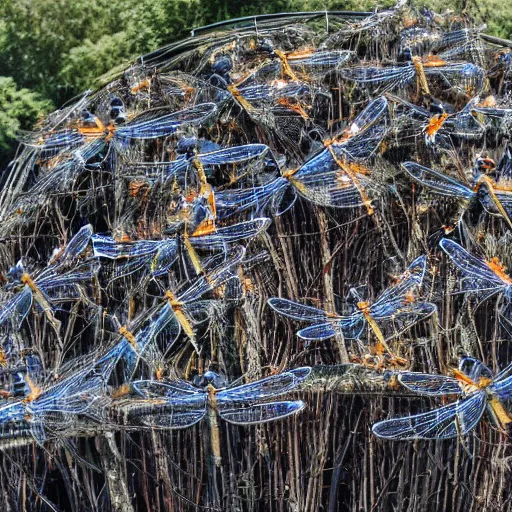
495 198
394 311
58 282
179 404
159 255
475 386
48 410
333 177
152 124
481 278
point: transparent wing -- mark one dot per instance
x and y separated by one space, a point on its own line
231 234
477 275
297 311
437 182
108 247
232 155
260 413
77 245
215 278
426 384
381 79
351 327
395 321
167 124
269 387
446 422
232 202
17 307
174 418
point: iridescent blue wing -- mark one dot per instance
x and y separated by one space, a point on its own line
297 311
232 202
477 276
351 327
234 154
449 421
269 387
437 182
393 320
77 245
380 79
463 77
260 413
217 277
399 295
230 234
17 308
426 384
167 124
108 247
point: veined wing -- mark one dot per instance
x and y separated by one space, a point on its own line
175 390
351 327
160 171
458 418
233 155
426 384
384 79
437 182
59 140
108 247
77 245
167 124
394 321
176 417
299 311
234 201
477 274
230 234
82 273
270 387
464 76
260 413
370 115
215 278
17 307
316 64
399 295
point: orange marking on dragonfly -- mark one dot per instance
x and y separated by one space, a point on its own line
123 331
435 124
499 269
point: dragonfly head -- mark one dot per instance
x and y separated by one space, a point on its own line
210 378
473 373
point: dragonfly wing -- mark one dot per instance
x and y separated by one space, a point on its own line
396 321
477 275
382 79
174 418
108 247
458 418
272 386
351 327
437 182
297 311
426 384
18 307
235 154
167 124
260 413
229 234
77 245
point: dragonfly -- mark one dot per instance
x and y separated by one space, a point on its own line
393 312
179 404
464 77
482 278
152 124
184 310
438 126
57 404
160 255
333 177
58 281
496 198
475 386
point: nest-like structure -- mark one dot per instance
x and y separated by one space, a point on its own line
243 164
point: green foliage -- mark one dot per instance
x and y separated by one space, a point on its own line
58 48
19 109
